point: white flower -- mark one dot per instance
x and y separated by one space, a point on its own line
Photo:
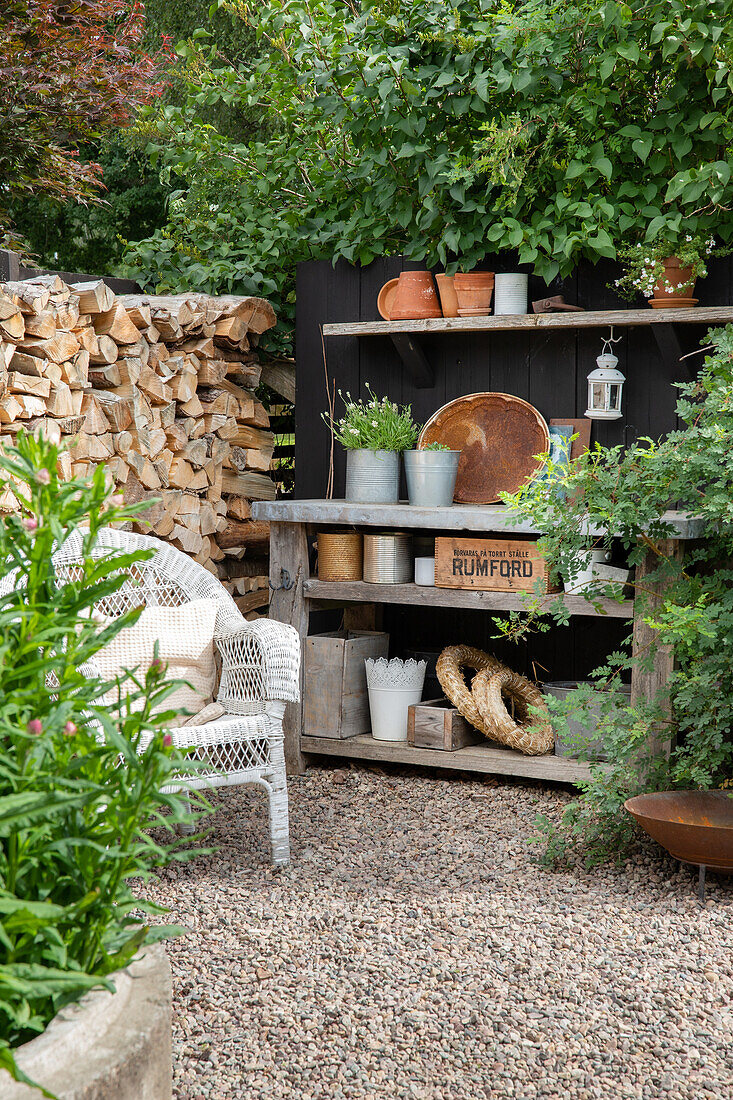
374 424
354 431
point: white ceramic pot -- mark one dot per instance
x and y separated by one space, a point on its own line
597 569
393 687
510 293
425 572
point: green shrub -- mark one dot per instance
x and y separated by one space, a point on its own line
447 131
76 797
627 493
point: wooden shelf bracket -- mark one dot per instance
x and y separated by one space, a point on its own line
668 342
413 358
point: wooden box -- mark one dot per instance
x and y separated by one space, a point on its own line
436 724
497 565
335 699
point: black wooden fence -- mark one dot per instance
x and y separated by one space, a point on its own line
549 369
13 269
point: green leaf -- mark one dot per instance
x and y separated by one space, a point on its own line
642 147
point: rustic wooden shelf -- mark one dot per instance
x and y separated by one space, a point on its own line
495 519
296 595
698 315
339 592
403 333
474 758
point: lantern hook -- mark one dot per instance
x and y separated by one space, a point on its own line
608 340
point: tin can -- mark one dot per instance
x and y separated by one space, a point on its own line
388 558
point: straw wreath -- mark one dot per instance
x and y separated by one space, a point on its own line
531 733
450 667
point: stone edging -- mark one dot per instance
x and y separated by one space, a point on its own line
107 1046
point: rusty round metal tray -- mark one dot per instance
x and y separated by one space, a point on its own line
498 434
694 826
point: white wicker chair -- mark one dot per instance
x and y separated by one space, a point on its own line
260 671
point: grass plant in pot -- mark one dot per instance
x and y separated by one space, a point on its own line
374 432
665 270
431 475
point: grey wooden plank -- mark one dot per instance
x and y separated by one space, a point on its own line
473 758
289 566
365 592
699 315
651 685
490 518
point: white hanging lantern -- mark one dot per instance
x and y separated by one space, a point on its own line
605 386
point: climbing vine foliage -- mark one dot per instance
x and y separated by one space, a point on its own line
626 493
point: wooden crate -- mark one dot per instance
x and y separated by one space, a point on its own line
436 724
335 699
498 565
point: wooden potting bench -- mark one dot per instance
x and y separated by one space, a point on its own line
295 594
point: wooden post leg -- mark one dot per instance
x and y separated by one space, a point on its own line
650 684
289 566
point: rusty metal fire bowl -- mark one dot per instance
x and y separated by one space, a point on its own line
693 826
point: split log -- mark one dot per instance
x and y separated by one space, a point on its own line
14 327
106 350
253 486
62 346
41 325
254 534
94 297
116 324
26 383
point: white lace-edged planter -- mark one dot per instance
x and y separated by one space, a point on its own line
393 687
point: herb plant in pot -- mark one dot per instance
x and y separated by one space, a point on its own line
665 271
431 475
374 432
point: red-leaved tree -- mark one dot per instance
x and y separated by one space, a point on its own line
69 70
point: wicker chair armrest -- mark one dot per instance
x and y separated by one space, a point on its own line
260 662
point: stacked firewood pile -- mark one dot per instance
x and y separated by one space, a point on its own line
161 391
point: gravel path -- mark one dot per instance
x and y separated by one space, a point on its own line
414 950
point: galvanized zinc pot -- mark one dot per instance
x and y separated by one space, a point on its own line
388 558
431 477
372 477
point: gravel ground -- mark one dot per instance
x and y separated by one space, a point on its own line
414 949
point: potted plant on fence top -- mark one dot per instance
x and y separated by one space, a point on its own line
665 270
374 431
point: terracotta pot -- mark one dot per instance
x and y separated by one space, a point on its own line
680 278
473 291
415 297
447 291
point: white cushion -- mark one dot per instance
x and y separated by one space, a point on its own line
186 645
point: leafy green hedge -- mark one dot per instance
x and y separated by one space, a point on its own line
448 131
